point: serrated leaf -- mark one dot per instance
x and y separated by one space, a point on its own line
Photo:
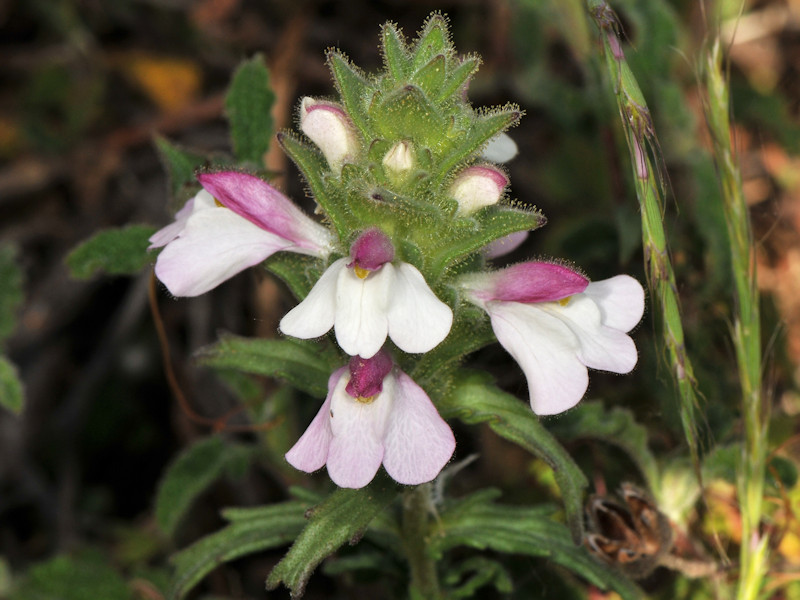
120 251
248 106
299 362
11 392
523 530
342 517
435 39
475 399
614 426
10 290
250 530
190 474
179 164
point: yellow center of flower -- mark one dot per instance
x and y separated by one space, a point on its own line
360 273
565 301
366 399
218 203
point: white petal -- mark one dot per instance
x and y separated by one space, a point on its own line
361 322
311 450
546 350
215 245
418 441
501 148
314 316
621 301
602 347
418 320
358 430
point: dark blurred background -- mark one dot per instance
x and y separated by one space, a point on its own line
85 85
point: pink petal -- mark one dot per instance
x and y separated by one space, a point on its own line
418 442
358 428
329 127
371 250
505 245
477 187
529 283
215 245
310 452
263 205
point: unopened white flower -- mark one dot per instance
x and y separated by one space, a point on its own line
477 187
328 126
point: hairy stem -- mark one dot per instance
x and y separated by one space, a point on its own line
416 516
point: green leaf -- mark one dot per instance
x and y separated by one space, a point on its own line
248 106
342 517
299 362
469 141
523 530
407 113
120 251
298 271
10 290
192 472
11 394
458 77
86 576
180 165
614 426
475 399
431 77
312 164
485 571
353 88
395 55
250 530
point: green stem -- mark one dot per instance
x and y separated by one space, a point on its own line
416 516
753 554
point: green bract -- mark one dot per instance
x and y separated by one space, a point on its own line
419 105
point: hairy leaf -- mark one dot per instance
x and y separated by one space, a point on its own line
475 399
194 470
10 290
120 251
250 530
299 362
248 106
522 530
179 163
11 393
342 517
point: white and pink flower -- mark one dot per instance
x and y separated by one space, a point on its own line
366 298
329 127
555 324
235 222
374 414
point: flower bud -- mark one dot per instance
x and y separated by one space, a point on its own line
371 251
328 126
477 187
399 158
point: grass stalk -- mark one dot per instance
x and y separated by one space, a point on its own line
644 150
746 328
